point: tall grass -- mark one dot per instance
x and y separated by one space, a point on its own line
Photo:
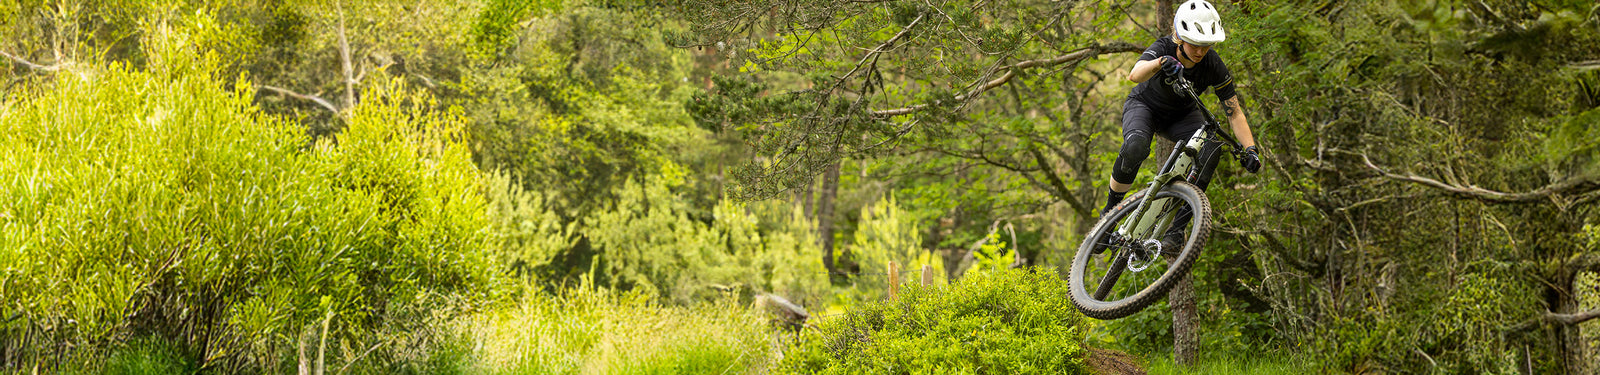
589 331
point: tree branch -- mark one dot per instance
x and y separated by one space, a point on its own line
30 64
313 98
872 55
1554 318
344 57
1585 65
1060 189
1571 319
1011 72
1582 185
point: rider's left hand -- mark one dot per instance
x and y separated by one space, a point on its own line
1249 160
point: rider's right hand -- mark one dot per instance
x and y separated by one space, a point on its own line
1170 66
1249 159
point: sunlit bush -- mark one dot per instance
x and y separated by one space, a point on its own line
160 205
1002 322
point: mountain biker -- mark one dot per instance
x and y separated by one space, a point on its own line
1154 106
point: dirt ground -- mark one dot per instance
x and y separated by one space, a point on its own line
1112 362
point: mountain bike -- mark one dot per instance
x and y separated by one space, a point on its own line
1123 264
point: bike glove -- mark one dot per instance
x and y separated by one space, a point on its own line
1170 66
1249 160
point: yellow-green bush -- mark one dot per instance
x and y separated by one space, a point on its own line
999 322
158 204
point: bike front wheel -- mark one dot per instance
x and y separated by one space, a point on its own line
1113 276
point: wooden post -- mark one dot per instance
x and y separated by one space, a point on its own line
927 275
894 279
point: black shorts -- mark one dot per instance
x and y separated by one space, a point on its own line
1139 122
1175 126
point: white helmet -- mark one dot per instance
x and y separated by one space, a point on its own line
1198 23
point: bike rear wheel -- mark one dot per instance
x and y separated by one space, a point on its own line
1113 277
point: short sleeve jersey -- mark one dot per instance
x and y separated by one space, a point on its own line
1157 92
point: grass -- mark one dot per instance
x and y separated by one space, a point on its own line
597 331
580 331
146 356
1233 364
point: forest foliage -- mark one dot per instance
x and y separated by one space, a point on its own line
495 186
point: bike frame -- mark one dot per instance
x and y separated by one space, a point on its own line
1179 166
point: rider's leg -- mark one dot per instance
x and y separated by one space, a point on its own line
1206 164
1136 130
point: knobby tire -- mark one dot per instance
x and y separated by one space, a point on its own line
1093 305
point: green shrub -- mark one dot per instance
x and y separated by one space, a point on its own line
526 233
649 242
1002 321
159 204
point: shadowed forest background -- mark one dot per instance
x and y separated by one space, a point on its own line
550 186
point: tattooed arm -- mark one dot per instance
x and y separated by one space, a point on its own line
1241 127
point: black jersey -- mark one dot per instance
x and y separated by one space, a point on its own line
1157 92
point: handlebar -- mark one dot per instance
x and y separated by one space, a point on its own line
1187 88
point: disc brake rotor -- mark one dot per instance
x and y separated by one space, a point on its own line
1143 256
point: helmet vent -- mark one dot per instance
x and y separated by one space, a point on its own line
1207 26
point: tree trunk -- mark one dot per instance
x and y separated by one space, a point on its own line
1165 11
830 189
1569 337
1185 338
806 198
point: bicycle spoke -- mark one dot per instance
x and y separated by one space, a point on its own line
1113 272
1118 273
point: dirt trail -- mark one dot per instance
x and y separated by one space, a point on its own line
1112 362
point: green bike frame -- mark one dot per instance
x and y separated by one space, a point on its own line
1180 166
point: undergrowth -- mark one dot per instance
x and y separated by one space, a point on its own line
1000 321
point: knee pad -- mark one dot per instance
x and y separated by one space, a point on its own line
1135 148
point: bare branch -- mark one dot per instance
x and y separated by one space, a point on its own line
1585 65
1554 192
1554 318
1060 190
1011 72
1571 319
344 57
313 98
30 64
